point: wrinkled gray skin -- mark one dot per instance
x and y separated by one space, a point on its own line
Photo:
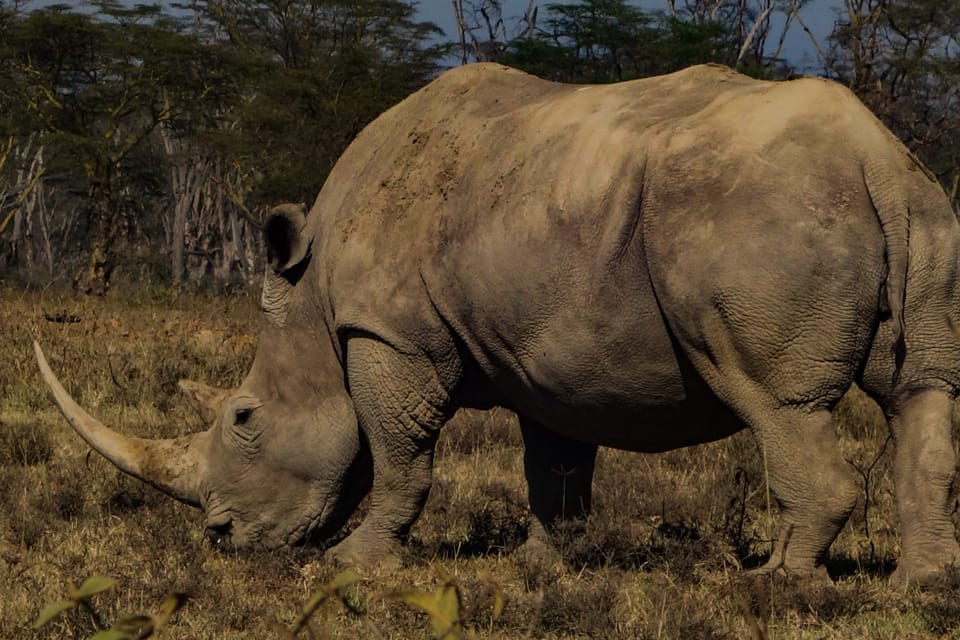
646 265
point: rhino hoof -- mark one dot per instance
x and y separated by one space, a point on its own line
907 575
365 554
811 576
538 550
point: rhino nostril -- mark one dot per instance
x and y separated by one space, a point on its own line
218 533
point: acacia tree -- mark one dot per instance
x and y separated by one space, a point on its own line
186 125
21 153
300 79
324 69
22 164
614 40
197 219
750 27
903 60
95 84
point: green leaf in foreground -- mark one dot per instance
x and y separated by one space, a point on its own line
51 611
443 607
335 589
145 625
77 595
170 606
343 580
92 586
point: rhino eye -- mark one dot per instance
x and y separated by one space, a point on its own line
243 434
242 415
241 408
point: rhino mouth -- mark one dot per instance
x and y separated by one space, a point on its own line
225 533
219 533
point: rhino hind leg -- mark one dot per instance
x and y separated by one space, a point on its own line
559 473
813 485
400 406
924 467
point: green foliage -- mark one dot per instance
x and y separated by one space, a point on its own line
337 590
51 611
76 597
322 70
683 43
613 40
251 102
136 627
444 606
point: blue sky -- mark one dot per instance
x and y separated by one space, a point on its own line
818 15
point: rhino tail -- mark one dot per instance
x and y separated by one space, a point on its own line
890 204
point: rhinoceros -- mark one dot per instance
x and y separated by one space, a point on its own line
644 265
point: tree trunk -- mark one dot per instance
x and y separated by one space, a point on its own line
96 278
42 218
178 231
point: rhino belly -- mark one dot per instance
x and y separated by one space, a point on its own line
626 387
650 429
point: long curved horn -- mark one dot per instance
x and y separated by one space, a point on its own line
174 466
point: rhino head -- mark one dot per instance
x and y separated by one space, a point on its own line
282 460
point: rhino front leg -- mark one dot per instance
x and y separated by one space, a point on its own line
924 467
559 475
400 406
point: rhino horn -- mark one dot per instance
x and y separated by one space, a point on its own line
175 466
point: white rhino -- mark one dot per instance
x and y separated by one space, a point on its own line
644 265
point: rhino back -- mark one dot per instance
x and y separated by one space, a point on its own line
566 235
508 210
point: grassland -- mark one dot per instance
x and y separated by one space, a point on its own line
661 557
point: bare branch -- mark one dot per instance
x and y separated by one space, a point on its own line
795 12
754 30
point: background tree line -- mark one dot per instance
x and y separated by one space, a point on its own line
149 140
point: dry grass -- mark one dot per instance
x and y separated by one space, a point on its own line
660 557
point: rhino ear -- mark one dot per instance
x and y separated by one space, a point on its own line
288 254
210 398
287 246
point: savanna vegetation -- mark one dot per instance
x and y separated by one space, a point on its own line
660 558
139 150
